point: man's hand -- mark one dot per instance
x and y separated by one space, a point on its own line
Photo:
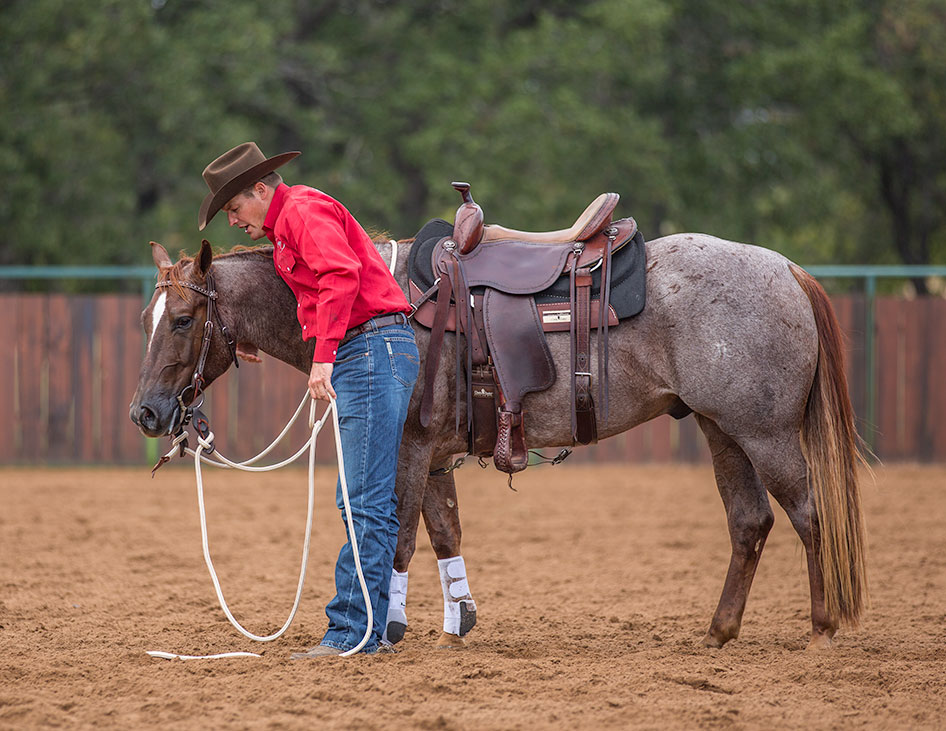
320 381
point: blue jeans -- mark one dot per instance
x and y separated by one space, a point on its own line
373 379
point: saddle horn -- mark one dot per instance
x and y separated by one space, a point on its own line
468 224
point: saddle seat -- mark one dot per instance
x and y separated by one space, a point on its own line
469 231
594 218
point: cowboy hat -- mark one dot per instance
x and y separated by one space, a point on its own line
233 172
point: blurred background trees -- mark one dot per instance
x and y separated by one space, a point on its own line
816 127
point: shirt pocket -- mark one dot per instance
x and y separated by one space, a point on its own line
284 260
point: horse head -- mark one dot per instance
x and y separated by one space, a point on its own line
184 354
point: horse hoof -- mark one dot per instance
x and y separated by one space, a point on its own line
394 632
448 641
819 641
712 642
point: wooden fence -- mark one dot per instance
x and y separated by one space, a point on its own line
70 366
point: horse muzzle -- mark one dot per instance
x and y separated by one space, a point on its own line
155 420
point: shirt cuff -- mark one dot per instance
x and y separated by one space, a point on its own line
325 351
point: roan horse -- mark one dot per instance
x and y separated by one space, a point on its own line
740 335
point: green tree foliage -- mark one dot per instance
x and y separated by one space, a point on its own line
811 126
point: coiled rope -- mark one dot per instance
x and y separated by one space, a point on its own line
206 445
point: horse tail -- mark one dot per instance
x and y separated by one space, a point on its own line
832 449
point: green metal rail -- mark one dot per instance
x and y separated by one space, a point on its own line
145 274
869 274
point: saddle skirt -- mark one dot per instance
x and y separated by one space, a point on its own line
553 302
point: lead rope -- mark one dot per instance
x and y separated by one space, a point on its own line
224 463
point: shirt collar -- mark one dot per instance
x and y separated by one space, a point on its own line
275 208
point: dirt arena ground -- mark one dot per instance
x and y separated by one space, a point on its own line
594 586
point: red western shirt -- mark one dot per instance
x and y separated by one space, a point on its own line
324 255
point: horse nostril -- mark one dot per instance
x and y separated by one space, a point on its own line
146 417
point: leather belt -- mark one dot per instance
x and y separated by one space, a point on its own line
375 323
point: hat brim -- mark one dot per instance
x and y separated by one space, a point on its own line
215 201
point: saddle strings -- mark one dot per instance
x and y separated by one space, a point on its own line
465 316
574 347
604 300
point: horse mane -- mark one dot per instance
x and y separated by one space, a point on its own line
174 273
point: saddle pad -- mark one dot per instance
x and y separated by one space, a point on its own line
628 267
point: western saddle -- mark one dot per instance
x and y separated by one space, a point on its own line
487 277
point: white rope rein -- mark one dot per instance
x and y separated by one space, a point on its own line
223 462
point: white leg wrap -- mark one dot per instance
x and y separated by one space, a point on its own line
456 590
397 603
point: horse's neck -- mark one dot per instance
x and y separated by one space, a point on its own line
260 309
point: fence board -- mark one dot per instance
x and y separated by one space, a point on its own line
217 408
32 348
634 445
914 382
889 377
851 313
923 323
132 444
286 390
83 343
914 329
249 412
107 378
661 438
61 410
9 365
935 422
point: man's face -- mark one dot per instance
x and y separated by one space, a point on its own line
248 211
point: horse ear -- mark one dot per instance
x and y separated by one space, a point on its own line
160 256
204 258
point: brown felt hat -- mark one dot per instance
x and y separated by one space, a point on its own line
234 171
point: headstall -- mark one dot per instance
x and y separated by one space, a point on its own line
185 400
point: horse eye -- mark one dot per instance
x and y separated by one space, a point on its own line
183 323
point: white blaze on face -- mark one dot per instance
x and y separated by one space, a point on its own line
156 314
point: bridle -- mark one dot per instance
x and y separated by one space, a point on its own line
186 407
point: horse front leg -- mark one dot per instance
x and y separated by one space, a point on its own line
442 518
412 474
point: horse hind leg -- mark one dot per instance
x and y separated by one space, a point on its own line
749 517
784 472
442 518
